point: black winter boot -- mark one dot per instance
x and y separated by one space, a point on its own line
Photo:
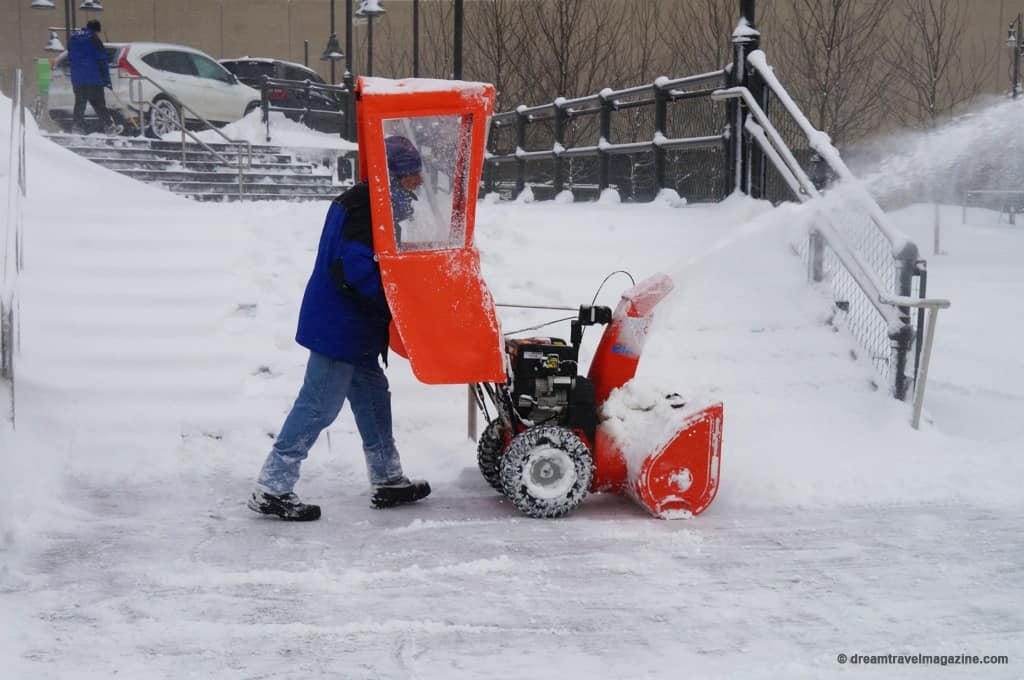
288 507
395 493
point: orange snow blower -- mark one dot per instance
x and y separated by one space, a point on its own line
553 435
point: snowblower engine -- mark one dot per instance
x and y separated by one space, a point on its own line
546 387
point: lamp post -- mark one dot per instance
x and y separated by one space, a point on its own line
457 61
69 11
369 9
415 38
1015 41
54 44
332 52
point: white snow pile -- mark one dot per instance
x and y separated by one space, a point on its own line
157 362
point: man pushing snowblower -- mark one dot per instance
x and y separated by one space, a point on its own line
553 434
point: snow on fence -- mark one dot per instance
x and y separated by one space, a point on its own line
853 247
639 141
11 259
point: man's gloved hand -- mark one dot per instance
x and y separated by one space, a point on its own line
109 86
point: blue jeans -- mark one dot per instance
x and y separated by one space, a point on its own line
326 386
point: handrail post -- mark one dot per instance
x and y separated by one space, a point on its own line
933 305
265 104
604 159
470 413
561 116
521 146
661 97
745 39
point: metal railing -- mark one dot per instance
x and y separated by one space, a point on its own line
139 104
853 246
1009 201
12 260
639 140
305 88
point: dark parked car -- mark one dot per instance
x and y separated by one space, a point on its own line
319 111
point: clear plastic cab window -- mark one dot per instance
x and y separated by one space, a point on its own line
429 206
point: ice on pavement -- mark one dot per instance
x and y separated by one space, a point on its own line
158 360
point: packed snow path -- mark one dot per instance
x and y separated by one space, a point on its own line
126 549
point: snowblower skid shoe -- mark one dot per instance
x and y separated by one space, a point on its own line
288 507
398 493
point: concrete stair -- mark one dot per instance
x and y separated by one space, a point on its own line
274 174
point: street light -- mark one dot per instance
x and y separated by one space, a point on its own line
1013 41
369 9
69 12
415 38
457 65
70 18
332 52
54 45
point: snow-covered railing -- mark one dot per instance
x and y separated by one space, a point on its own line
877 326
11 259
859 219
575 144
860 252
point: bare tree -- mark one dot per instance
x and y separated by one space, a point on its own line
830 57
494 41
698 35
927 58
572 46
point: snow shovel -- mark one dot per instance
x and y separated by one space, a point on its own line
127 111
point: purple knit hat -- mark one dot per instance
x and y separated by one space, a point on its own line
403 158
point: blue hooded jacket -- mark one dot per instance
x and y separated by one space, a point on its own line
344 314
89 65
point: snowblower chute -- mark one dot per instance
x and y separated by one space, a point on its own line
553 435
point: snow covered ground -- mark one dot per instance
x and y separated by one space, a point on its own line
158 360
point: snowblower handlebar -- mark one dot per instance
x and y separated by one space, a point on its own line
594 314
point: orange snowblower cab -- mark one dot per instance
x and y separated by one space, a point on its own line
553 435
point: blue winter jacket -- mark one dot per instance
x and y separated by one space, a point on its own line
89 65
344 313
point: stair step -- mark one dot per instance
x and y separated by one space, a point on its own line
123 164
275 175
249 196
102 141
227 176
199 154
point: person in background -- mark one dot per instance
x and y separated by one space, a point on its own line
343 322
90 73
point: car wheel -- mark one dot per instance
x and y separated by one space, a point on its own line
163 117
250 107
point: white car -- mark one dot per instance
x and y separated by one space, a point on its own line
189 75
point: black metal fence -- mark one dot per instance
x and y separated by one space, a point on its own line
319 106
666 135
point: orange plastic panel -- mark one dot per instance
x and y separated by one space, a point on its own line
679 479
444 316
618 352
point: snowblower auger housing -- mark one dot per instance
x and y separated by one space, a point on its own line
553 435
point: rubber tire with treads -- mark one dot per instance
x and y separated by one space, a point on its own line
488 454
546 471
